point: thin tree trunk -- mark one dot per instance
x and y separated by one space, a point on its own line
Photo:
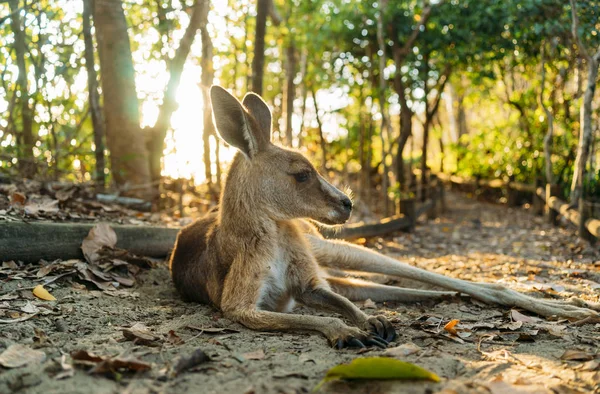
290 92
304 94
94 97
385 121
550 132
585 135
124 137
321 137
206 80
27 164
156 139
258 61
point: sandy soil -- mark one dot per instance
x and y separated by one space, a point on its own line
474 240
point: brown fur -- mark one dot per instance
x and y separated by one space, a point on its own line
255 255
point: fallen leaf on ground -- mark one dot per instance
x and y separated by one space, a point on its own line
402 350
67 369
369 304
576 355
377 368
173 338
19 355
17 198
591 365
40 292
499 386
255 355
450 326
100 236
101 365
186 362
34 208
519 317
139 334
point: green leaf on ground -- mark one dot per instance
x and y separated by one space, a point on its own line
377 368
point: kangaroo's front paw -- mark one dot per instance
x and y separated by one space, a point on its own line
381 326
355 337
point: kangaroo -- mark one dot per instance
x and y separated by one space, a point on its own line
257 254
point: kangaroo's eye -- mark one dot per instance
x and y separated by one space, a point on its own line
301 176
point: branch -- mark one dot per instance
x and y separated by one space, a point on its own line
440 90
400 53
574 28
274 14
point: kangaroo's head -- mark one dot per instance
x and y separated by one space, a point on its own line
282 182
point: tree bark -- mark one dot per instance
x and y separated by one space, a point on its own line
27 165
321 137
290 91
94 97
385 121
206 80
124 137
156 139
258 61
585 135
550 119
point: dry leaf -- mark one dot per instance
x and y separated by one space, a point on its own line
103 365
519 317
173 338
450 326
591 365
576 355
140 334
19 355
100 235
255 355
17 198
67 369
186 362
40 292
212 330
402 350
34 208
369 304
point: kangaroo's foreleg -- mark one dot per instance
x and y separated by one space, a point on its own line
343 255
239 303
360 290
323 298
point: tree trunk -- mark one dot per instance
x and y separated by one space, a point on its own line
206 80
304 94
94 97
321 137
156 139
258 61
385 121
585 135
27 141
124 137
550 119
290 92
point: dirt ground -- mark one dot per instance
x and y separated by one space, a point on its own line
496 350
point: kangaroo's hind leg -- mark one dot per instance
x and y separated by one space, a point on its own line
343 255
360 290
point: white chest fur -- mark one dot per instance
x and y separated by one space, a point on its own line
274 294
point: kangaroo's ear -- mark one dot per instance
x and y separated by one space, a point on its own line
261 112
235 125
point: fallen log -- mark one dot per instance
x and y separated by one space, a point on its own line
366 230
33 241
592 225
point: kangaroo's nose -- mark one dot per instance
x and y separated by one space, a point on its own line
346 203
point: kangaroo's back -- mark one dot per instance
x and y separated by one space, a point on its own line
192 262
